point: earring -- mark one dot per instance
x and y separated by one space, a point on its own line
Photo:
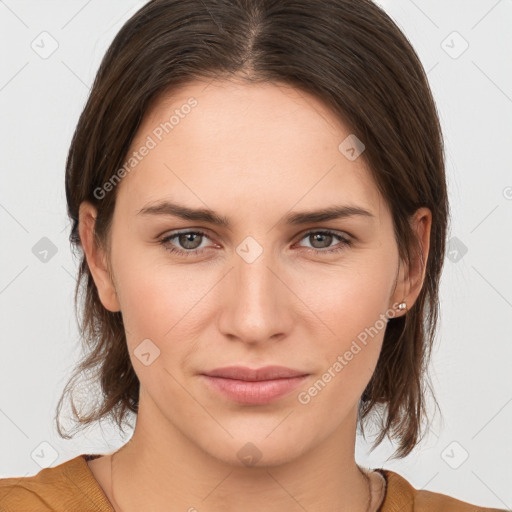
402 306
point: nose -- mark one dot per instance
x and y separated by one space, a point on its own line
257 305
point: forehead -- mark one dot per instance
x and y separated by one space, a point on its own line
253 145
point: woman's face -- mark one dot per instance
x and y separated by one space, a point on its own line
267 287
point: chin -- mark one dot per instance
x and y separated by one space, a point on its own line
257 451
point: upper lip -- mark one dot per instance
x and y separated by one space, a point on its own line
257 374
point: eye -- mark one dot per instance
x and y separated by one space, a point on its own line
321 241
190 242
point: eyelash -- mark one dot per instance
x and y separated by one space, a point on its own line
345 242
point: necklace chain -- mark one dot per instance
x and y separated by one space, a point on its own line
118 508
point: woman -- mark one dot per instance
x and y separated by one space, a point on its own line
258 190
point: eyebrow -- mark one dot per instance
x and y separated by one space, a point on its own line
167 208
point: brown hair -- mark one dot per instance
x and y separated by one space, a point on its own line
348 53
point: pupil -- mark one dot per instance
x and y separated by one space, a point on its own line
187 239
319 237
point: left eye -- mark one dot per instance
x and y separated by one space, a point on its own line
326 237
190 242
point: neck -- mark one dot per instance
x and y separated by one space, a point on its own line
173 470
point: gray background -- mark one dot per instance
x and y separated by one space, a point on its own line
467 454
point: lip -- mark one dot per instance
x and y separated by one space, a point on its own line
257 374
254 386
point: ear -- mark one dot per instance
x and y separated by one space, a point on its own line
96 257
411 278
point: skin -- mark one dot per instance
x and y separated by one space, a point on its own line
252 153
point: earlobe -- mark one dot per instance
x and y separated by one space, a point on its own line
400 298
96 257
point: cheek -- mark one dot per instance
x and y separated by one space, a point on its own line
353 307
162 303
153 296
156 306
352 297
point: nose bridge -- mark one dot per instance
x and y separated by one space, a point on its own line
256 285
255 281
256 307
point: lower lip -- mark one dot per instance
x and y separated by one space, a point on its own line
252 392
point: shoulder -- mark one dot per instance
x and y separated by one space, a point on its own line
402 496
68 486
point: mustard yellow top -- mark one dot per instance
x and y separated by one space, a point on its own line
71 487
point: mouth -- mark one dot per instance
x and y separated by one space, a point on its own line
254 386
